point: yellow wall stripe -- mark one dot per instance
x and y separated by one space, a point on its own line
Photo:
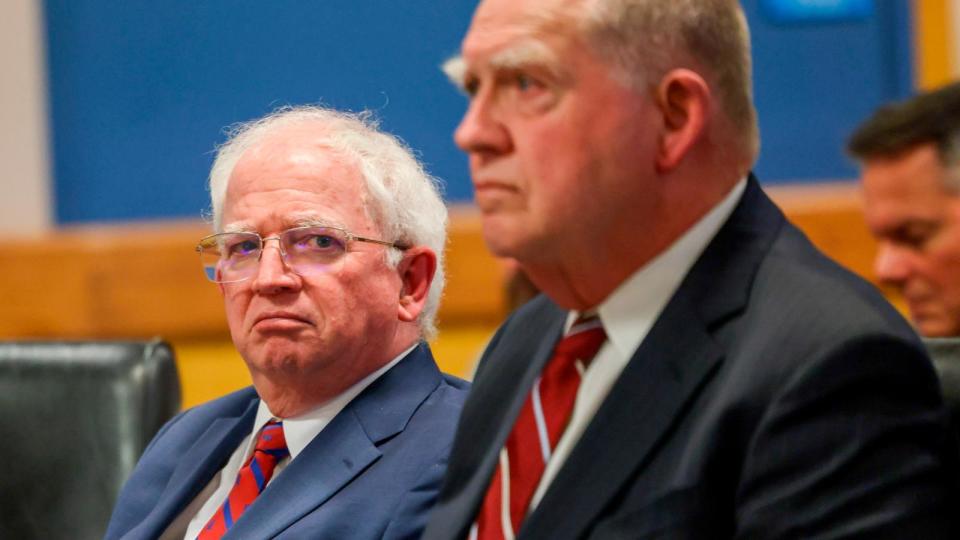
933 37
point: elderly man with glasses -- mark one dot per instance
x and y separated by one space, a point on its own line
328 253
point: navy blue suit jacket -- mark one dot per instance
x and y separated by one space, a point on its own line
373 472
776 396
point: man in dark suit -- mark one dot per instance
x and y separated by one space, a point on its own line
328 255
695 368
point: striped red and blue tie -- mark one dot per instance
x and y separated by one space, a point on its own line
253 477
535 435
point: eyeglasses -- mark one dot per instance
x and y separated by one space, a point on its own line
235 256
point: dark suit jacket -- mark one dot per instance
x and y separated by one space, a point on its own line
373 472
777 396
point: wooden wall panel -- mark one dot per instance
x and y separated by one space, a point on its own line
144 279
474 290
44 289
111 281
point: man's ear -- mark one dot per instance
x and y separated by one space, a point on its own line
684 100
416 269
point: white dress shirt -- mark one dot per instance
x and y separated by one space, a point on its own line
298 432
627 316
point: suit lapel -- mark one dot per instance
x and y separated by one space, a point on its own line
522 366
673 364
196 467
344 449
334 457
495 401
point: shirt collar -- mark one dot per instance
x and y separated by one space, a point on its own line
301 429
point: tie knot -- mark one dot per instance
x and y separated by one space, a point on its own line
583 340
272 441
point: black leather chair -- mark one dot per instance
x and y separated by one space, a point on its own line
74 419
945 353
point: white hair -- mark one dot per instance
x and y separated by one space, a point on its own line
404 201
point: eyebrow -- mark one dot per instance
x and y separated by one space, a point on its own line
524 53
527 52
909 227
296 220
308 220
239 226
455 68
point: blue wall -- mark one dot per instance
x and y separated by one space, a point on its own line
814 82
140 91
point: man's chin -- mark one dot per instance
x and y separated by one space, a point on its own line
501 235
275 355
934 326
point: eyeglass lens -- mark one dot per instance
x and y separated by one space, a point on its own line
231 257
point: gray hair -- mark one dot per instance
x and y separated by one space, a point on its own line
645 39
405 201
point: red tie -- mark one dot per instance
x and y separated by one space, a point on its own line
542 420
252 478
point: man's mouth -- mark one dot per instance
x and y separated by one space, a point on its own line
493 185
280 320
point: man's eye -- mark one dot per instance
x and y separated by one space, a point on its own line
529 93
319 242
525 82
911 239
323 241
915 240
471 86
242 249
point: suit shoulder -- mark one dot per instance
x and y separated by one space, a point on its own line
800 283
805 313
233 403
535 312
447 398
457 385
197 418
525 327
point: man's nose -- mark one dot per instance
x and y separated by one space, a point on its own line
892 263
273 275
482 130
